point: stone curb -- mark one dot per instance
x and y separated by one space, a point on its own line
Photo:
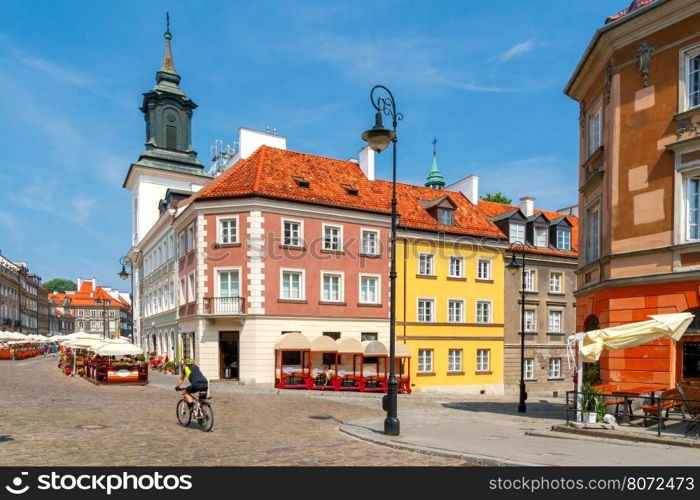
360 432
623 436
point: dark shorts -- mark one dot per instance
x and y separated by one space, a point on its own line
191 389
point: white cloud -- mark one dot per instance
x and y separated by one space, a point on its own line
81 209
516 50
55 71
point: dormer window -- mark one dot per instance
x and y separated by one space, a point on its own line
349 189
446 217
563 239
540 237
516 232
301 182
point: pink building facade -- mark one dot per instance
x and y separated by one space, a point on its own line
253 268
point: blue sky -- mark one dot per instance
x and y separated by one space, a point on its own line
484 77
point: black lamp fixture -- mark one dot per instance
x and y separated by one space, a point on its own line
124 274
513 267
378 139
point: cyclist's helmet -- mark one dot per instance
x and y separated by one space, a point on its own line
189 361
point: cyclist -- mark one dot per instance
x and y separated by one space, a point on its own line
198 382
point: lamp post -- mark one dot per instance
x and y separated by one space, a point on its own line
105 305
513 267
378 139
123 274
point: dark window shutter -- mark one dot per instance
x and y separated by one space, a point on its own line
171 137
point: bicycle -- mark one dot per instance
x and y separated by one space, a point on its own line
200 411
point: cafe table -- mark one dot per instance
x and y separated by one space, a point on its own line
637 391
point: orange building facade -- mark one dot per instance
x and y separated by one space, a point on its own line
638 87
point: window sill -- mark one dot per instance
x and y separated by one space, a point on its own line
454 373
688 113
371 255
555 333
367 304
554 379
339 252
483 373
425 374
292 301
456 278
560 294
427 276
331 303
478 280
226 245
293 247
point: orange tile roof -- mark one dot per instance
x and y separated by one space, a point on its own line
636 4
86 296
492 209
270 172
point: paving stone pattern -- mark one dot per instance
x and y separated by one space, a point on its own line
48 418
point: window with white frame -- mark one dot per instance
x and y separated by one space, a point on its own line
483 269
454 360
455 311
291 233
446 216
595 131
541 237
292 285
483 311
332 287
80 313
530 321
483 360
563 239
516 232
456 266
425 360
530 280
555 282
692 81
228 230
554 321
229 284
190 288
190 238
332 238
426 264
369 289
529 368
370 242
181 292
426 310
180 244
554 368
592 233
693 205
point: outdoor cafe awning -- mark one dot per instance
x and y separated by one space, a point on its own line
324 343
633 334
117 349
292 341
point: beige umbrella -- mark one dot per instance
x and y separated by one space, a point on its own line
118 349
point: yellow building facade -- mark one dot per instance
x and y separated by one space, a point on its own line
449 311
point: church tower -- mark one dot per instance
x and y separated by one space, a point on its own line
169 161
435 179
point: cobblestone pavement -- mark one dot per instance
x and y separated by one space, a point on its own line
43 411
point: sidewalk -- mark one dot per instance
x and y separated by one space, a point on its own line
493 433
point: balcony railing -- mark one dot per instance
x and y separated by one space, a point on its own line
224 305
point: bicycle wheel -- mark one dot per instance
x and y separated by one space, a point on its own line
206 422
184 415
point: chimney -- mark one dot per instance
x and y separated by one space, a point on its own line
367 162
250 140
527 205
469 187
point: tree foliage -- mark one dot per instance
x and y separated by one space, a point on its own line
497 198
60 285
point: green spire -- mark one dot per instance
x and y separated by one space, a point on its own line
167 74
435 179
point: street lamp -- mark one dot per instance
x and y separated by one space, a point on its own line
105 305
513 267
378 139
123 274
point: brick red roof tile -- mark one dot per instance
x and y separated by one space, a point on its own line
492 209
270 172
